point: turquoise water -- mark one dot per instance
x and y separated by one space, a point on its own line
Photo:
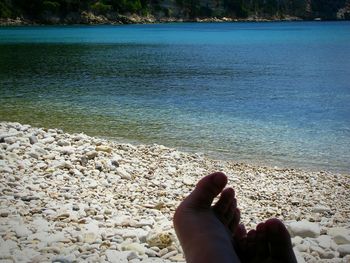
266 93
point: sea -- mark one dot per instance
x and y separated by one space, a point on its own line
268 93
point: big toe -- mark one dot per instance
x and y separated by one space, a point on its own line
206 190
281 249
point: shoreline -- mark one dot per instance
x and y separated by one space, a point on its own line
215 156
88 18
74 197
280 164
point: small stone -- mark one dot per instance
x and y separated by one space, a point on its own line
6 135
46 237
98 166
178 258
22 231
99 217
61 164
344 250
37 151
103 148
140 233
302 247
299 257
158 206
79 137
320 209
6 247
107 212
89 237
84 160
327 254
48 140
34 155
64 259
151 253
67 150
54 250
62 216
340 235
76 172
136 247
188 181
4 213
33 139
156 249
10 140
161 240
28 198
163 251
324 241
40 224
132 255
25 255
169 254
63 143
93 185
41 165
91 155
12 147
314 254
154 260
295 202
49 212
304 229
297 240
115 163
123 174
346 258
5 169
114 256
317 249
145 222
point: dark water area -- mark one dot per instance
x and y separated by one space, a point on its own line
265 93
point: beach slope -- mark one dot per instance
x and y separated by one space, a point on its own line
78 198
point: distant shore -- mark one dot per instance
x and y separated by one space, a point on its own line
88 18
71 197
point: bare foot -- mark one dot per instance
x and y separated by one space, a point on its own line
213 233
205 232
269 243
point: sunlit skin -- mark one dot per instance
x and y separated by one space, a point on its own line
213 234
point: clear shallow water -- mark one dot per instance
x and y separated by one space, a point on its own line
269 93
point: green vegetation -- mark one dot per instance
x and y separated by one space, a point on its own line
38 9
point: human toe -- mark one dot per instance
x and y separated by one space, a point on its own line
206 190
223 206
281 249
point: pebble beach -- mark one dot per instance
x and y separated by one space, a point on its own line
75 198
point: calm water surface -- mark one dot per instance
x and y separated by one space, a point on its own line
269 93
